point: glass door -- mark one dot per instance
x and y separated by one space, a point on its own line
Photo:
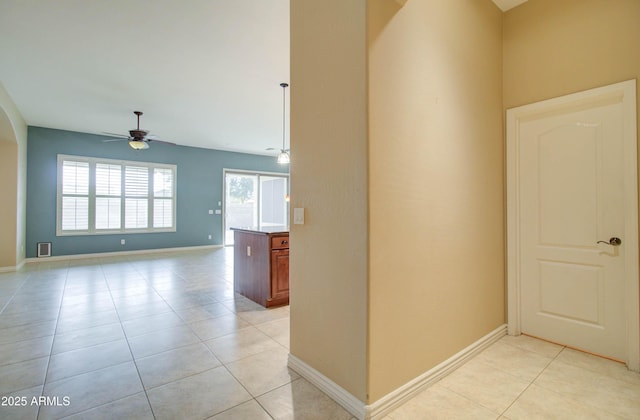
273 202
255 201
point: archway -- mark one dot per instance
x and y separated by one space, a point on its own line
9 192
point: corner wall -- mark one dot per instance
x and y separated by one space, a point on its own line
398 158
328 265
436 162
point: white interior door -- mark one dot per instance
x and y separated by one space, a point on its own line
572 183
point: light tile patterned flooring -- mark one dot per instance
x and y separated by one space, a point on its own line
163 336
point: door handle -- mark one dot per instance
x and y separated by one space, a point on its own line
612 241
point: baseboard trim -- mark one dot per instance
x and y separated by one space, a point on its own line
12 267
326 385
36 260
401 395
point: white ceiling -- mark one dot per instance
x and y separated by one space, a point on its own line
505 5
205 73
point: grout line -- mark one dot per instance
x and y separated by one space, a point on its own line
53 341
534 379
133 359
15 292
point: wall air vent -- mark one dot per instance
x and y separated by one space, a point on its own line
44 249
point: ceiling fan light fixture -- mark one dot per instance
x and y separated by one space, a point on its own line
138 144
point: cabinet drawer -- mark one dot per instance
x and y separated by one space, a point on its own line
280 242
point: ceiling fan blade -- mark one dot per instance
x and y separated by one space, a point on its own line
149 140
112 140
124 136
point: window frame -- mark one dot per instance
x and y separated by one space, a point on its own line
92 230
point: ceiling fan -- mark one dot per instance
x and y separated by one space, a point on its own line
138 139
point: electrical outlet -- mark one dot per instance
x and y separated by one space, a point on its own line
122 241
248 251
209 237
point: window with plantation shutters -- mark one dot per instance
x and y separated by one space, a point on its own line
102 196
108 196
136 213
162 197
75 196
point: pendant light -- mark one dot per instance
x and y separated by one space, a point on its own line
283 157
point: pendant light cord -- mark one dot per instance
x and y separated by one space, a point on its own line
284 96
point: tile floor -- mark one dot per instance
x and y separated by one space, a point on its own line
163 336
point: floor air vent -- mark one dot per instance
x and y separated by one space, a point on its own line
44 249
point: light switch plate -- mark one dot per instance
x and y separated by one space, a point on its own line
218 211
298 216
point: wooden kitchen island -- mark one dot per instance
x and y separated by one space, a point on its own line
261 265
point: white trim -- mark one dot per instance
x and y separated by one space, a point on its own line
12 268
326 385
625 94
252 172
631 227
120 253
401 395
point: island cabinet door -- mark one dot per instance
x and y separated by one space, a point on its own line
280 273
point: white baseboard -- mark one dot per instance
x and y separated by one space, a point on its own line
12 268
326 385
401 395
120 253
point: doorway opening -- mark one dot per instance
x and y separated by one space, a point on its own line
255 200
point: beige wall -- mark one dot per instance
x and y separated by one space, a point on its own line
386 286
13 164
398 157
436 184
553 48
329 179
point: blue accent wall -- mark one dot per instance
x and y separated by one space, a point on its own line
199 188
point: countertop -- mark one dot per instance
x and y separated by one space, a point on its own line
263 230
